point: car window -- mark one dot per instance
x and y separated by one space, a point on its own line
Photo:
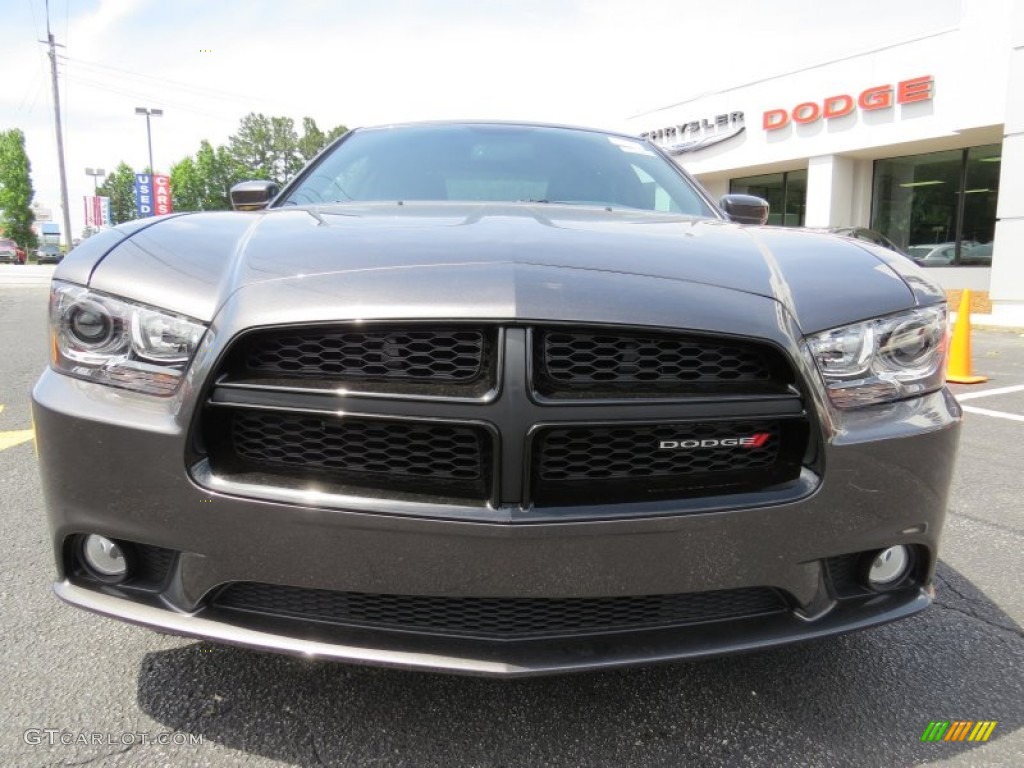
498 163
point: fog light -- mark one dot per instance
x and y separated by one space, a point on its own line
104 558
888 567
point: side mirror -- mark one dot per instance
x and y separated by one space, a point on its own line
745 209
253 195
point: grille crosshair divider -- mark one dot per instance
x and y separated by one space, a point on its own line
519 410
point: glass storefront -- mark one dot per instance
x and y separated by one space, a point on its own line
786 194
939 207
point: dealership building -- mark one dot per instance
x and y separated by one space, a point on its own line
921 141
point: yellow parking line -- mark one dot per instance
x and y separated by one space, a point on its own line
17 437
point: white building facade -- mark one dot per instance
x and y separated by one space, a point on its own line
921 141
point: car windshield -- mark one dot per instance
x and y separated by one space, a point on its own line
502 163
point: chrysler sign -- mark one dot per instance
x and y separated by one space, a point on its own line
697 134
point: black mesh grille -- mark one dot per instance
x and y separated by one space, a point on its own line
408 358
594 363
152 564
426 458
580 465
498 617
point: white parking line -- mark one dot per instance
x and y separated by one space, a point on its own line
997 414
987 392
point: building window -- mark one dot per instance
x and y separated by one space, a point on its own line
939 207
786 194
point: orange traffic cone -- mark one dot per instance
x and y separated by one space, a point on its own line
959 370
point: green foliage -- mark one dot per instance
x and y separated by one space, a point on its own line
120 188
336 132
262 148
16 192
202 183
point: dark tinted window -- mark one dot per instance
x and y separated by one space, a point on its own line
941 203
786 194
499 163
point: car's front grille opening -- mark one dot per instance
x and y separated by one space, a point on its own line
498 617
424 458
846 575
594 363
409 359
641 462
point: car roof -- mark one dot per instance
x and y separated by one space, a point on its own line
509 123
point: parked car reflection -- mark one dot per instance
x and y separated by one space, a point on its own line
933 255
943 254
865 234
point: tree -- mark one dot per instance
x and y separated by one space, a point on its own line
16 192
250 148
313 139
335 132
265 148
120 188
186 187
202 183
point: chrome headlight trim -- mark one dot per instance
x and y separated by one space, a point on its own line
110 340
885 359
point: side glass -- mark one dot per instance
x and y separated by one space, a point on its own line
980 193
796 198
917 204
786 194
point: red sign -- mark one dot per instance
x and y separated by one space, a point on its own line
161 194
877 97
97 212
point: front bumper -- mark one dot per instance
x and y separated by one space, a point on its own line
112 464
523 659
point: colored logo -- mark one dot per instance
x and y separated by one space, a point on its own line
756 440
958 730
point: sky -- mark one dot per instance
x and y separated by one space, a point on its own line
207 63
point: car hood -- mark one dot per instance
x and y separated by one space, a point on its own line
194 263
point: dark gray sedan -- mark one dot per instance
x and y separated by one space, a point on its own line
493 399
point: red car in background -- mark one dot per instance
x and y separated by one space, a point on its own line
10 252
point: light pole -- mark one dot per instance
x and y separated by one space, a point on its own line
149 134
95 173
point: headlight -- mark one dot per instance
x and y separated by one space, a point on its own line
885 359
120 343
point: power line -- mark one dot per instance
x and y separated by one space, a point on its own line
163 81
35 23
82 81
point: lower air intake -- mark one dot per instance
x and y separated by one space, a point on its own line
498 618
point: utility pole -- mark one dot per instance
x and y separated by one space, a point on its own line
60 132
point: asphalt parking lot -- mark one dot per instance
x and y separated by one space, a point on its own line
858 700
